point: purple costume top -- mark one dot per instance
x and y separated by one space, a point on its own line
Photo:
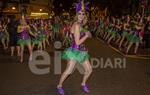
80 47
25 34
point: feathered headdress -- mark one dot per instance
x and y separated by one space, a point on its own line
23 19
81 6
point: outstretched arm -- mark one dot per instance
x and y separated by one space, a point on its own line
30 32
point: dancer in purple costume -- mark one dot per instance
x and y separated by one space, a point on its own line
77 53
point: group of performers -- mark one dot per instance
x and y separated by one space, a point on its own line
123 31
39 33
25 32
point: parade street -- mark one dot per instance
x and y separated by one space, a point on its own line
131 78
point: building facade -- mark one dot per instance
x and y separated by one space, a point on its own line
31 8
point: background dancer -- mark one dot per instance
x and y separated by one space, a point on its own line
24 40
5 37
13 35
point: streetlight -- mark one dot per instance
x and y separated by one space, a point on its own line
41 10
13 8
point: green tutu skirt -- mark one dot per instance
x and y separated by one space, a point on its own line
125 34
41 37
133 38
113 33
101 26
24 42
106 30
76 55
36 41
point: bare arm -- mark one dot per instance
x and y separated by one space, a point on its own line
30 32
19 29
35 28
125 26
78 41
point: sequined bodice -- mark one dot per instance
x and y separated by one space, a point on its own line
80 47
25 34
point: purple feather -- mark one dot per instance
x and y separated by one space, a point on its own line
78 6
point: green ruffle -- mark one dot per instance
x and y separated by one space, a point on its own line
113 33
125 34
41 37
36 42
106 30
76 55
133 38
101 24
24 42
83 29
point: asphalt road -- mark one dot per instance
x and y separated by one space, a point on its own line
133 79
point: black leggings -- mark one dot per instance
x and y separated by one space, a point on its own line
13 40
